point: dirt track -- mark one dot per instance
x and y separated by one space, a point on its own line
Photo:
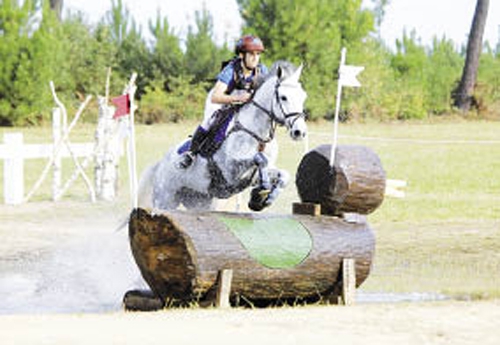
422 323
63 274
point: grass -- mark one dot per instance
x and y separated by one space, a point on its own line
443 237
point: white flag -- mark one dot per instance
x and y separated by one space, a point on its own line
348 75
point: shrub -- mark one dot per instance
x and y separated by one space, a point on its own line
183 101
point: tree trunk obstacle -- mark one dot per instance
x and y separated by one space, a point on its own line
356 184
228 258
272 258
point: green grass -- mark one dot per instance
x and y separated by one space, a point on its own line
444 236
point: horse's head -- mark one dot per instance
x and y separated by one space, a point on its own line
289 103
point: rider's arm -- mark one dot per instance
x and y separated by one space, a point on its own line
220 96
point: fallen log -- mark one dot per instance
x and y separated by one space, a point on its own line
294 257
356 184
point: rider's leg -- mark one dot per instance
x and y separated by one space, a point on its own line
199 135
189 156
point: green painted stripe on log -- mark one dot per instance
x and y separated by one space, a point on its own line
273 242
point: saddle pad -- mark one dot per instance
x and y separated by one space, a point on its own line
184 147
273 242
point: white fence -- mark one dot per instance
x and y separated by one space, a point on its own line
14 151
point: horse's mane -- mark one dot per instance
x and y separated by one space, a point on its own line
282 67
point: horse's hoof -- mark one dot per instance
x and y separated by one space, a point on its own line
258 199
256 206
264 193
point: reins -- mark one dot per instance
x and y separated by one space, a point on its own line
274 119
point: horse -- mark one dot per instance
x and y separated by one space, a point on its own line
245 158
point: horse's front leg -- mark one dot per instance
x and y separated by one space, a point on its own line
279 180
269 183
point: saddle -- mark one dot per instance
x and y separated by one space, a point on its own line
216 134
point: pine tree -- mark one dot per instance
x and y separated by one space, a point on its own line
57 7
463 95
167 56
203 57
310 32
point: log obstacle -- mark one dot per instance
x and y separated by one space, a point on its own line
182 255
356 184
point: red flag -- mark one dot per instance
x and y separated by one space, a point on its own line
122 106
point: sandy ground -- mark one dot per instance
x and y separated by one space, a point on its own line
64 270
417 323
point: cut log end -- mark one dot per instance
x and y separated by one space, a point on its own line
355 184
168 254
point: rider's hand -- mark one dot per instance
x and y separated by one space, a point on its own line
241 98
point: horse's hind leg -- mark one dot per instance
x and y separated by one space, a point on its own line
164 198
197 201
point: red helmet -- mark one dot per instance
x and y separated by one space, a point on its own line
249 43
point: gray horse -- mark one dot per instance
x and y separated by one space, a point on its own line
245 157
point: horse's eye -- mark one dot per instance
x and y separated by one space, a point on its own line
283 98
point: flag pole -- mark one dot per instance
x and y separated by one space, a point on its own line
337 109
132 161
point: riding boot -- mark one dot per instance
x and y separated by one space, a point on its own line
197 140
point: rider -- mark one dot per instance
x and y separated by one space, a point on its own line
234 86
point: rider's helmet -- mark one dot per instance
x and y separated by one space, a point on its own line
249 43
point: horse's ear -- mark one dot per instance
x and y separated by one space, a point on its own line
294 78
279 72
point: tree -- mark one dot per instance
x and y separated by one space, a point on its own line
167 56
28 55
379 7
443 67
203 57
57 6
119 20
463 95
310 32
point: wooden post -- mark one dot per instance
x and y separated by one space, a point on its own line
306 208
106 153
348 281
56 164
13 169
57 149
224 288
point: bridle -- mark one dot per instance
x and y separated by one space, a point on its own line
275 120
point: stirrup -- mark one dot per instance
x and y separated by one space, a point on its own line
186 161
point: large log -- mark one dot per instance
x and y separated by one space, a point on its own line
272 257
356 184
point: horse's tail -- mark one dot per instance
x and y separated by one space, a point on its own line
145 190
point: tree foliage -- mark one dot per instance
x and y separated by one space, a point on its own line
410 81
310 32
203 57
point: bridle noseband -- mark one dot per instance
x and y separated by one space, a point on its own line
271 114
274 119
